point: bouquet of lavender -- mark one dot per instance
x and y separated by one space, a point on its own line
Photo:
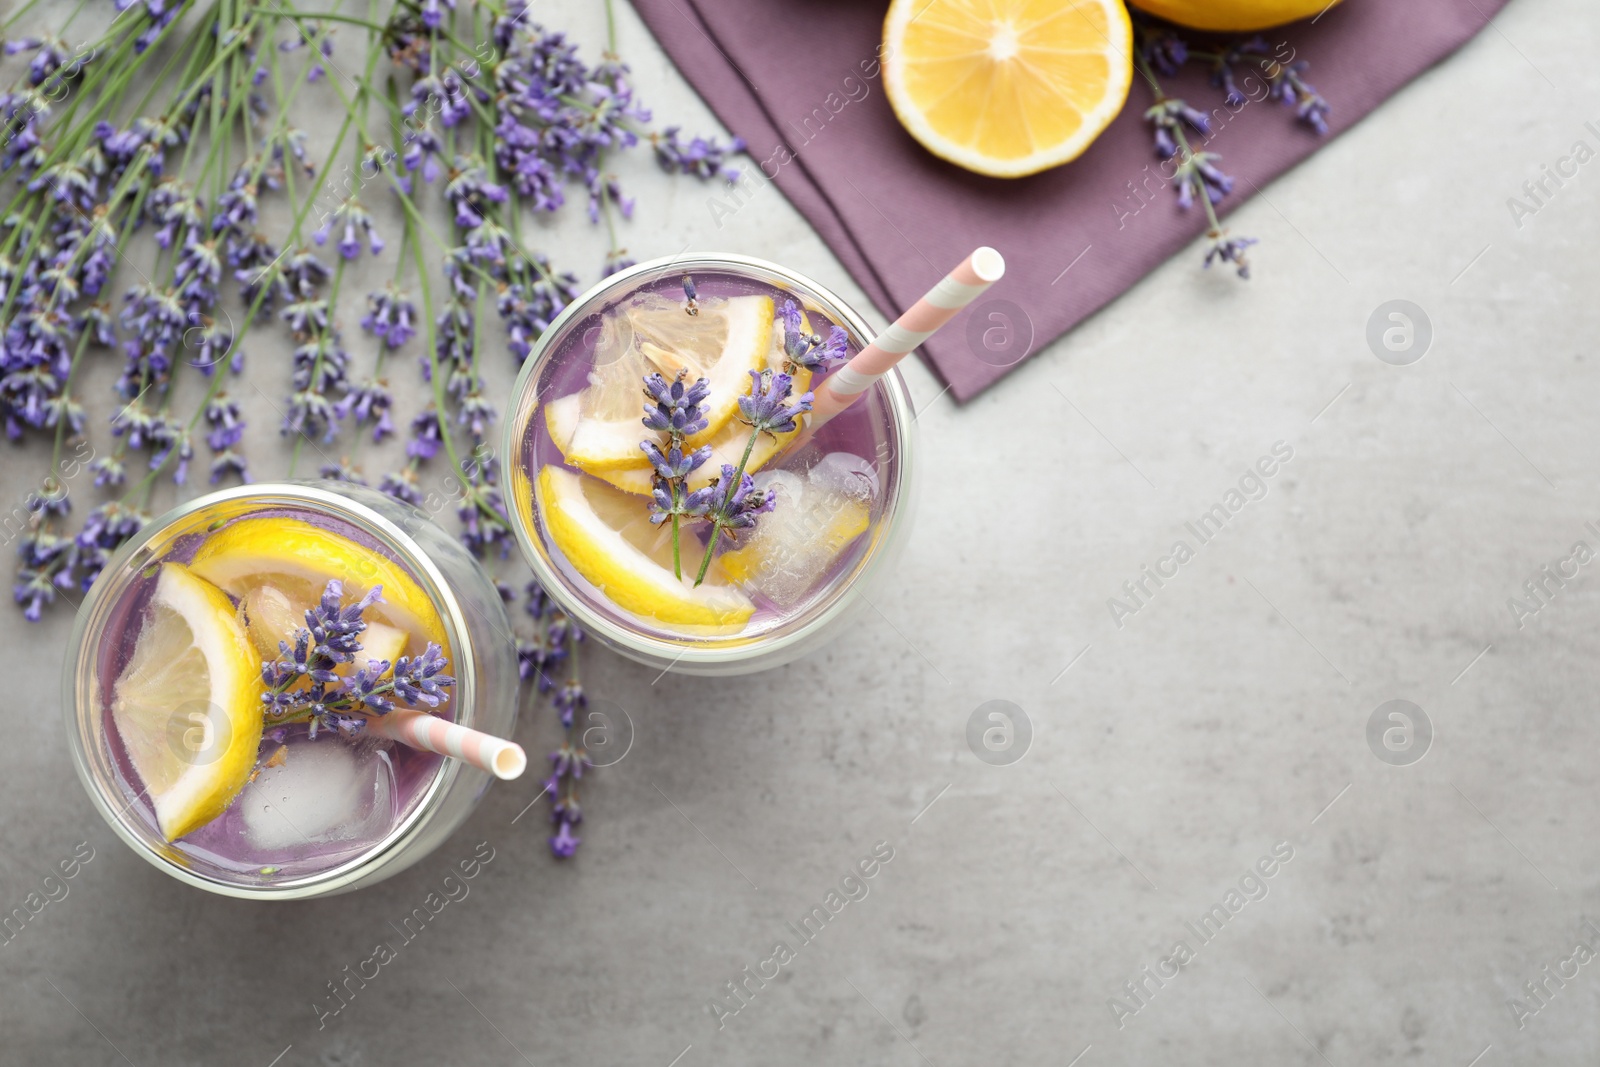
162 205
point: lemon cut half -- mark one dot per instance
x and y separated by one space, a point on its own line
1007 87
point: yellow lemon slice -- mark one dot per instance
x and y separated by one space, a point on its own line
297 559
1007 87
607 537
188 704
1234 15
598 428
727 445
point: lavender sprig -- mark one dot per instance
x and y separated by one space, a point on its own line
673 410
556 644
335 702
734 503
809 350
1198 177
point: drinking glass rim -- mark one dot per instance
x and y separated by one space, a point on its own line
81 668
735 648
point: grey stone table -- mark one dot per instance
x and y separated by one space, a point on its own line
1212 728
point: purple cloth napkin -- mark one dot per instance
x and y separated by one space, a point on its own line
797 79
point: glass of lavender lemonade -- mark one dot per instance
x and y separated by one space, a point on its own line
226 664
665 486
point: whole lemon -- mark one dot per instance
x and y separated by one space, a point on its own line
1233 15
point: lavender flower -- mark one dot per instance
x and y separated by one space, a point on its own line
472 194
676 409
353 221
421 679
1168 117
226 431
104 531
736 503
433 12
617 260
1164 50
1252 50
426 435
568 701
563 845
390 317
1289 86
485 527
1225 249
424 150
319 368
1199 174
368 402
808 349
331 638
342 471
701 157
402 485
766 408
556 640
1198 178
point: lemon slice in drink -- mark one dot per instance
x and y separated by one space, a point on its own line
597 428
298 559
727 445
1007 87
188 704
607 537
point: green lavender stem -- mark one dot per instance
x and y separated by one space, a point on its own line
1184 147
677 558
716 523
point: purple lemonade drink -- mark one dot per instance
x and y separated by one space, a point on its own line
664 487
230 661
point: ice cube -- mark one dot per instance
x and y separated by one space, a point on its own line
816 517
324 791
846 473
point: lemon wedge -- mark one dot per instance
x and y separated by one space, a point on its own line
1007 87
297 559
597 428
608 538
188 704
727 445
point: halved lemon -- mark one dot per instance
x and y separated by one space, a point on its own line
297 559
607 537
1234 16
188 704
597 428
1007 87
727 445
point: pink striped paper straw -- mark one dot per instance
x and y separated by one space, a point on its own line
503 759
955 291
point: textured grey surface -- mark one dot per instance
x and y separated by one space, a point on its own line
1225 717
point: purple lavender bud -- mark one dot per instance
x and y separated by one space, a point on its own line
563 844
765 408
1230 250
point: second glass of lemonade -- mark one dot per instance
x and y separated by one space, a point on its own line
586 498
164 688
